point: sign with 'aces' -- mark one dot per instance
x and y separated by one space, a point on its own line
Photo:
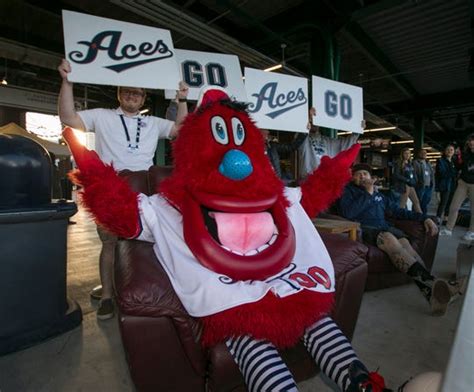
201 69
277 101
107 51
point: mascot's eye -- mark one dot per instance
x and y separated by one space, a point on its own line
219 130
238 131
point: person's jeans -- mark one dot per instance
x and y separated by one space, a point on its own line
445 198
424 195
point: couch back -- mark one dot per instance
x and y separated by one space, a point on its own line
146 181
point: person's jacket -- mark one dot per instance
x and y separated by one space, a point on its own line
403 177
371 210
274 149
446 174
467 166
419 168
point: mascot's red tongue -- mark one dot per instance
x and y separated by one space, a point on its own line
244 232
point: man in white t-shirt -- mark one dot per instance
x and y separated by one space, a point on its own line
125 139
316 145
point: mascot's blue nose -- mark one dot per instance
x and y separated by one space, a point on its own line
235 165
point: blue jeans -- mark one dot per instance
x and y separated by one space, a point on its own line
424 195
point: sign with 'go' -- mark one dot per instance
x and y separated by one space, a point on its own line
201 69
338 105
106 51
277 101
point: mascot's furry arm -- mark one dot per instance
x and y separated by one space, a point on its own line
107 196
325 184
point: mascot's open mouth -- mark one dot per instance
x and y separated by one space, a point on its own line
242 234
238 238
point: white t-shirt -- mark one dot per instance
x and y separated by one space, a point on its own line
111 140
316 146
204 292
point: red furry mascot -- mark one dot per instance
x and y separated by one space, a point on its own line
239 248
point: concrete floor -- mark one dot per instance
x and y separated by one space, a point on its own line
394 333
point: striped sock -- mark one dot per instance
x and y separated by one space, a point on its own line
261 365
331 350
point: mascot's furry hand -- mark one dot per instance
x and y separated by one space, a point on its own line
325 184
107 196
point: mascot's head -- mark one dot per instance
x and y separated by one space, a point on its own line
232 202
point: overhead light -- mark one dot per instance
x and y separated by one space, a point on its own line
379 129
278 66
402 142
4 80
144 111
273 68
383 150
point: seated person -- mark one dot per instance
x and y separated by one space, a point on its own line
361 202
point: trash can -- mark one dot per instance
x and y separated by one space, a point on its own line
33 241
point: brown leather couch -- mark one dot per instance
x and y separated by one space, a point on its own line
161 340
381 272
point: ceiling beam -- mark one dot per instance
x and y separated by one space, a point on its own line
379 6
22 53
360 38
438 101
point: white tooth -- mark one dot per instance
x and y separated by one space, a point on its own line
273 239
251 253
263 247
226 248
237 253
275 230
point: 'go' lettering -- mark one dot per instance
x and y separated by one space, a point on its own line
334 106
194 75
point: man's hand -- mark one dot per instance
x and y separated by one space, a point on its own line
183 90
312 112
430 227
64 69
368 184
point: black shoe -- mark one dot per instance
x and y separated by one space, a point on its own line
363 381
105 310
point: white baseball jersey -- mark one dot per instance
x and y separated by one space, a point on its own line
204 292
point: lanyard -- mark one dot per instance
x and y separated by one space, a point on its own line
137 136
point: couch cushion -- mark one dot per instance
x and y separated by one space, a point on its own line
345 254
158 174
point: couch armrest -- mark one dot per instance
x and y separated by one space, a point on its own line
350 268
414 229
143 290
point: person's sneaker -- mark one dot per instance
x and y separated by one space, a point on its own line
457 287
440 297
446 232
105 310
469 236
363 381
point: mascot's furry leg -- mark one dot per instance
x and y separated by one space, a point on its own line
264 370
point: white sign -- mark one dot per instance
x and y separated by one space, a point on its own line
338 105
277 101
106 51
200 69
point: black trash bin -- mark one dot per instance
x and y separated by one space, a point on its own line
33 248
